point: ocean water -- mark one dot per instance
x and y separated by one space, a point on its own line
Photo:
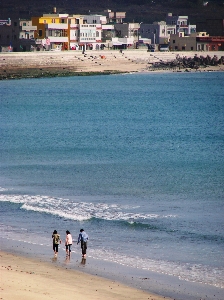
137 160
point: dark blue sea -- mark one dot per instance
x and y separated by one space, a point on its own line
136 160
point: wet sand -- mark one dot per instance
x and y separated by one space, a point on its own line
26 278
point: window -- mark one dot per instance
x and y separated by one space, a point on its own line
192 48
45 22
174 41
63 21
183 47
40 32
15 24
97 33
24 24
53 20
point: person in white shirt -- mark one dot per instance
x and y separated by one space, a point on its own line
68 242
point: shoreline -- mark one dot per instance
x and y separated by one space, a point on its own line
18 65
26 278
155 285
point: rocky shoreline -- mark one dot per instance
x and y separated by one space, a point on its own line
190 63
46 72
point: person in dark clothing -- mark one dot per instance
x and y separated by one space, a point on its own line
83 238
56 242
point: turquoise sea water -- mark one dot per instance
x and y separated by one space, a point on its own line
137 160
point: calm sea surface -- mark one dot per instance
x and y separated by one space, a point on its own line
137 160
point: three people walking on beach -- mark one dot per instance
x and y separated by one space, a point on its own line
83 238
56 242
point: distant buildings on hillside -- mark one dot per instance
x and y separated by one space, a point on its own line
56 32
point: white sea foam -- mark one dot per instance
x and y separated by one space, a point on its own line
78 210
184 271
2 189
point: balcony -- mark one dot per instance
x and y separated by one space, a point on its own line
56 26
58 39
27 28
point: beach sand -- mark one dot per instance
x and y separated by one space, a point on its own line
26 278
70 63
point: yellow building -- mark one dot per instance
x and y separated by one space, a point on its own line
52 31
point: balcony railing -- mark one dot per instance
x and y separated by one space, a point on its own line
56 26
28 28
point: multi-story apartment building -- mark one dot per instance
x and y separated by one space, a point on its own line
91 31
52 31
156 32
17 35
128 30
74 22
181 23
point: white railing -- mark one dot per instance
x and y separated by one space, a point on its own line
58 39
56 26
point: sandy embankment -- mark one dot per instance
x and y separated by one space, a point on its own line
23 278
68 63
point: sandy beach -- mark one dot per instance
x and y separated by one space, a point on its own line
26 278
70 63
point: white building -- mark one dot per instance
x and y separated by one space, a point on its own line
26 29
181 23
